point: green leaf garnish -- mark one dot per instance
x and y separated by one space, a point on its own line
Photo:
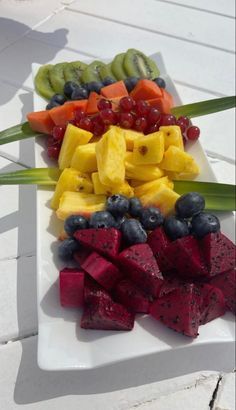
38 176
17 133
204 107
218 197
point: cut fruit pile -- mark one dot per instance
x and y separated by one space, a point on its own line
183 283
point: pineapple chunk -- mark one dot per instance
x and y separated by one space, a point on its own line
98 187
191 172
73 137
172 136
149 149
153 186
76 203
110 153
71 180
141 172
176 160
124 189
164 199
130 137
84 158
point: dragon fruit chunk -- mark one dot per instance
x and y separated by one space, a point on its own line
179 310
226 282
106 315
213 303
93 291
219 253
140 265
131 297
170 284
71 284
158 241
102 240
102 270
185 255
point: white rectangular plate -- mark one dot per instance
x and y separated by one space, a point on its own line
63 345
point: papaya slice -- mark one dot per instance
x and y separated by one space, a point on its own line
146 90
117 89
92 106
167 97
62 114
161 104
41 121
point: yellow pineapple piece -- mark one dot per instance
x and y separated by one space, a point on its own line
175 160
84 158
130 137
172 136
124 189
76 203
152 186
110 153
98 187
141 172
71 180
73 137
164 199
191 172
149 149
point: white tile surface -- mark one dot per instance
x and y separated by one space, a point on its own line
225 398
219 6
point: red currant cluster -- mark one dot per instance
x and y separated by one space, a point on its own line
136 115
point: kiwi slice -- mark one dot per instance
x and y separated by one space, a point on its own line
139 65
57 77
74 70
117 67
92 72
42 82
106 72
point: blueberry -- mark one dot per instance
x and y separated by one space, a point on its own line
102 219
133 232
75 222
130 83
69 87
204 223
58 98
189 204
80 93
135 207
108 81
95 86
151 218
52 104
160 82
175 228
117 204
67 248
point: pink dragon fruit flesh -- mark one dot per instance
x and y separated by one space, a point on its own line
140 265
81 255
131 297
185 255
158 241
106 315
102 240
179 310
93 291
219 253
71 284
226 282
213 303
102 270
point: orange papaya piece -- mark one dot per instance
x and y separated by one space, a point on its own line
82 104
92 106
62 114
162 105
167 97
41 121
146 90
117 89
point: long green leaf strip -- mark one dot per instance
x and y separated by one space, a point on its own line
17 133
204 107
38 176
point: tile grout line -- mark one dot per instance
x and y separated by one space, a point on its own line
19 338
214 394
14 161
149 30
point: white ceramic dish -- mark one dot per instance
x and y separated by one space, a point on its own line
63 345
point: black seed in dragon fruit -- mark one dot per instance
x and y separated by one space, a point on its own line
140 265
131 297
213 303
102 240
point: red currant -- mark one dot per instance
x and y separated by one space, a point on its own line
51 141
58 132
126 120
73 122
98 127
140 124
126 104
104 104
86 124
108 116
154 116
184 120
152 128
78 114
54 151
182 125
142 108
193 133
167 119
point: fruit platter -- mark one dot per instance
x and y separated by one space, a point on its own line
133 258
